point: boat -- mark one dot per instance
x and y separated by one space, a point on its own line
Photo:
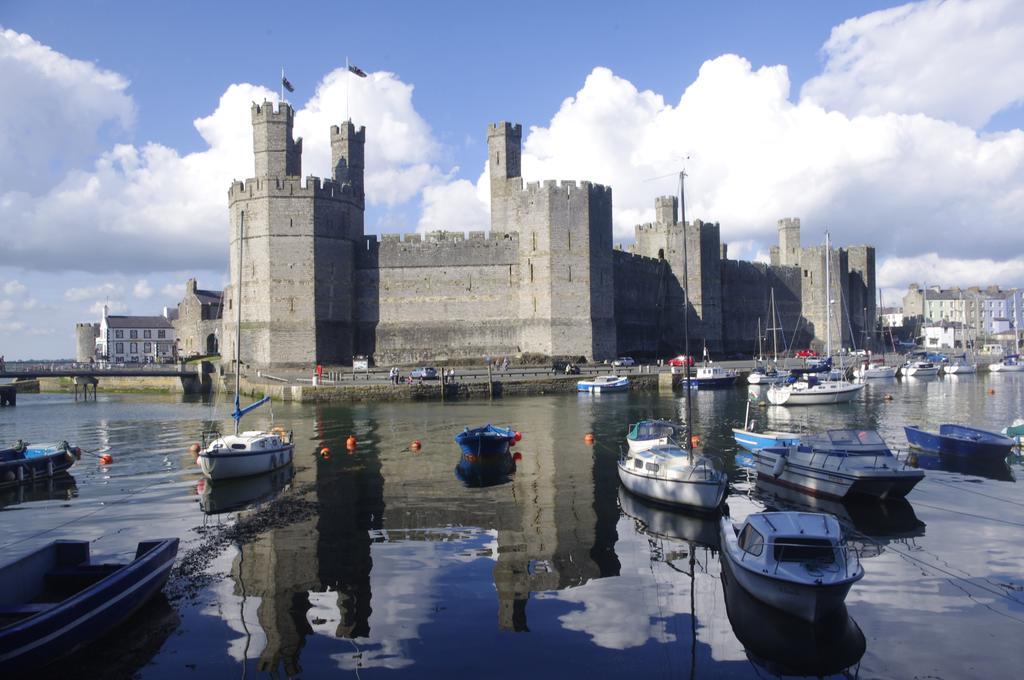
874 370
55 600
959 365
1015 431
960 440
25 463
750 440
603 383
647 433
796 562
252 452
783 645
767 374
1010 364
839 463
990 468
920 369
809 390
709 377
666 473
486 457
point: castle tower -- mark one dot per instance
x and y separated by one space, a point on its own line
666 209
789 242
297 265
347 145
277 154
504 149
85 341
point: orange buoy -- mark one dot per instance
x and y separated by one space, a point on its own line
106 459
351 442
991 390
519 435
325 451
588 438
694 441
416 444
517 456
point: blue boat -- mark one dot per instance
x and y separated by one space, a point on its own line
24 463
960 440
486 455
55 600
755 441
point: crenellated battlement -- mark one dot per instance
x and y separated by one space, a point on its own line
503 128
566 187
789 223
446 237
349 131
267 112
314 187
651 264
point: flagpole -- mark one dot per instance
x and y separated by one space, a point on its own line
282 84
348 77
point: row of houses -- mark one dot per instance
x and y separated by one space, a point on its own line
190 329
985 311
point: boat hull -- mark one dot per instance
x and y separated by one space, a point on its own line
875 373
692 494
988 445
815 395
830 482
920 372
753 441
714 383
601 387
24 467
960 369
810 602
89 614
1006 368
229 465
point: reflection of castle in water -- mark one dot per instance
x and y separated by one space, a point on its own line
552 527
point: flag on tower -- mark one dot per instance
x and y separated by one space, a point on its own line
356 70
286 85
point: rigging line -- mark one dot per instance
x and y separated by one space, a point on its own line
961 488
970 514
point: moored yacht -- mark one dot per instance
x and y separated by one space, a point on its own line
810 391
647 433
669 474
874 370
920 369
1010 364
959 365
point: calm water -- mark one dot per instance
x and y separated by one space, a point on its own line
557 573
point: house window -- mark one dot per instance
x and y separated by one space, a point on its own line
147 334
133 334
119 348
147 347
118 334
134 348
161 334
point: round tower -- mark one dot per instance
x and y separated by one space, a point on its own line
85 341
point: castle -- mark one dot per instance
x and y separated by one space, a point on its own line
545 280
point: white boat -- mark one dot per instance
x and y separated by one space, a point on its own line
253 452
669 474
920 369
793 561
872 371
769 376
603 383
811 392
837 464
648 433
709 376
960 366
1010 364
765 373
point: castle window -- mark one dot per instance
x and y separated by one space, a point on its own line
497 158
661 253
534 245
570 273
570 238
531 280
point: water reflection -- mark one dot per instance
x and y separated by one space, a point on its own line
785 645
998 470
231 495
60 487
485 472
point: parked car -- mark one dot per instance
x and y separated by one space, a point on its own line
424 373
806 353
681 360
624 361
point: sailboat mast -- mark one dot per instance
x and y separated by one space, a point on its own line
775 329
238 322
828 298
686 316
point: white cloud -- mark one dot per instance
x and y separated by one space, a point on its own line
85 293
173 290
142 289
11 327
113 307
6 309
30 303
14 288
951 59
62 111
930 268
455 206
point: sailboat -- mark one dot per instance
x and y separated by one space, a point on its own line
668 473
811 391
769 375
254 451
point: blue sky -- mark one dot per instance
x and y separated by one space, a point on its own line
852 132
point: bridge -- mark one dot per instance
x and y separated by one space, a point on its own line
89 374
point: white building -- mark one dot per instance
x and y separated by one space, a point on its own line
949 334
135 339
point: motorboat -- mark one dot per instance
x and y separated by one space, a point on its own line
669 474
714 376
960 440
1015 431
809 391
647 433
838 463
25 463
959 365
486 457
1011 363
247 453
874 370
783 645
603 383
56 600
796 562
920 369
766 376
752 440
